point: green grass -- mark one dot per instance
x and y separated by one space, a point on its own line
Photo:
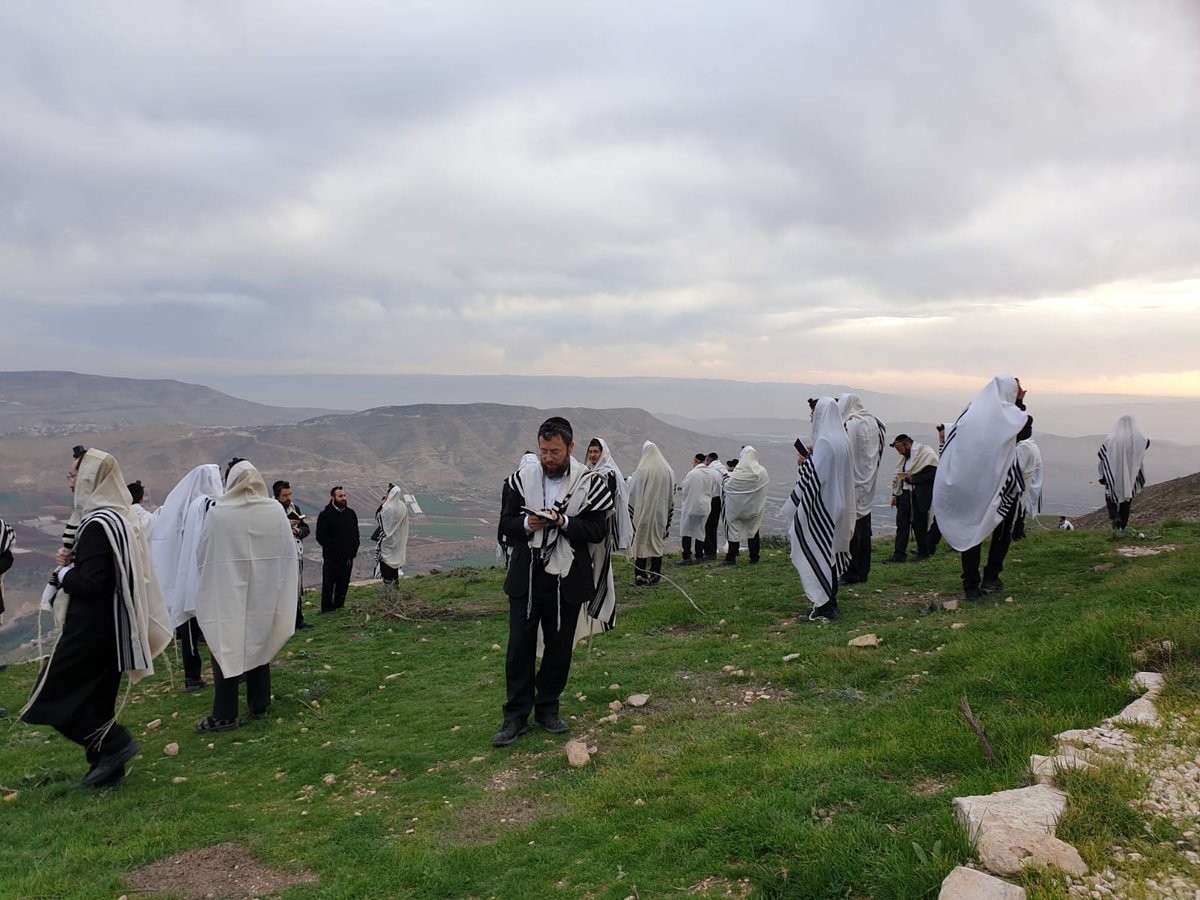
822 790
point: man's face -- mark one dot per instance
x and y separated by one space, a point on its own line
74 473
285 496
593 455
339 499
903 447
555 454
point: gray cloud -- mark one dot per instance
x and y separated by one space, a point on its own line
772 190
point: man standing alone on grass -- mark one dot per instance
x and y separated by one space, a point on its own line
651 503
979 482
337 533
553 510
694 496
912 496
1121 458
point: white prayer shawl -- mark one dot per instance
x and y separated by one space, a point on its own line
867 440
246 603
187 574
1121 459
920 456
1029 458
745 497
393 522
821 506
103 501
978 481
651 503
173 546
695 502
717 474
620 520
503 549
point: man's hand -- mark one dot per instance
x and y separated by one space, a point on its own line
63 557
893 502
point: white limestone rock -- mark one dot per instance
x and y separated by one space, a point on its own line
971 884
1014 829
865 640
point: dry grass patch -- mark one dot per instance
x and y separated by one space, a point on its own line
225 870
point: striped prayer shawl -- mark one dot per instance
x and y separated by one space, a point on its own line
130 653
814 527
1110 479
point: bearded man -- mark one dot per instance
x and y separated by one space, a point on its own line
554 511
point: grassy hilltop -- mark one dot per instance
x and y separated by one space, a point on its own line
812 777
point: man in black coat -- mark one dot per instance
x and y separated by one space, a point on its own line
337 533
568 503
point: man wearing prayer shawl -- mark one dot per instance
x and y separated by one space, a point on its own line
503 547
554 512
112 618
1121 458
246 602
8 541
912 497
745 503
821 509
979 483
695 496
174 547
1029 458
144 516
282 492
715 469
392 548
600 614
651 504
867 437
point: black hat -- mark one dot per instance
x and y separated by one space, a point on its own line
900 438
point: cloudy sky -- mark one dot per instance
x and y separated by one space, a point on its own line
819 191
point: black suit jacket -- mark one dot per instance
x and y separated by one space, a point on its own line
583 529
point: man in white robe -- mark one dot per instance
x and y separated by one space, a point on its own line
912 497
821 508
695 504
979 482
745 502
600 613
173 547
246 603
1121 469
651 505
1029 458
716 471
867 438
392 548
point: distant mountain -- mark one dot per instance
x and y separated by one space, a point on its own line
67 402
1175 500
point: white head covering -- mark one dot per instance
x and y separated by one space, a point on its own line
102 500
745 496
393 520
867 438
821 506
1121 458
246 603
624 524
978 481
172 545
651 502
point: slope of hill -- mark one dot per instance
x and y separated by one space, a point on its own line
1176 500
66 402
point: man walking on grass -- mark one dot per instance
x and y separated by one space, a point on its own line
553 510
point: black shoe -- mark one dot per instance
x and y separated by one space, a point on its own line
891 560
826 612
116 779
639 582
850 579
194 684
686 562
208 725
555 724
972 593
303 625
992 584
729 562
111 765
754 560
260 715
921 557
3 712
509 732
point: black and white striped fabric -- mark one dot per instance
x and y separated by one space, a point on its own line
131 652
1122 458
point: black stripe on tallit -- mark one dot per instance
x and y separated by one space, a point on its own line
807 496
129 652
1010 492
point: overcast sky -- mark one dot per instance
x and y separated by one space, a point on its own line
797 191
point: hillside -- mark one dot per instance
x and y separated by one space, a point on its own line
771 760
1177 500
67 402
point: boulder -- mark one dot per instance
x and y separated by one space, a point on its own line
638 700
971 884
577 754
865 640
1014 829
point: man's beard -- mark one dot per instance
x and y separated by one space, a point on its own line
340 504
560 471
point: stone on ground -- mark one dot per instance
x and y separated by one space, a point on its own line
865 640
1045 768
971 884
577 754
1014 829
638 700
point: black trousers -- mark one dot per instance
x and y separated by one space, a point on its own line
225 692
300 595
1018 533
653 572
935 537
710 529
911 518
538 690
997 550
860 551
87 729
388 574
753 545
1118 513
686 543
335 581
189 637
